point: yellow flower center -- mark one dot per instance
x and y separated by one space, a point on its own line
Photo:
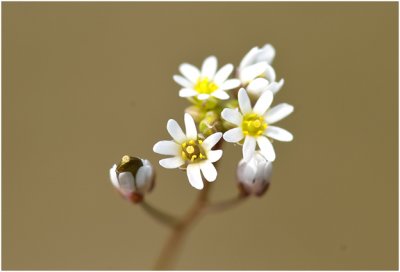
192 151
205 86
253 125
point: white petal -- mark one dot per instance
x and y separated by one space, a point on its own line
191 131
232 116
141 179
249 57
175 131
114 177
194 176
209 67
257 86
276 86
182 81
244 101
249 147
203 96
234 135
126 182
186 92
263 102
208 170
170 163
279 134
278 113
220 95
230 84
212 140
270 73
190 72
251 72
214 155
166 148
267 150
268 53
223 74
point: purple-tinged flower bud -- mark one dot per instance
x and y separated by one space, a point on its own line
133 177
254 176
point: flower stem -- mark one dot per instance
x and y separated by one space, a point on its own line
171 248
159 215
226 204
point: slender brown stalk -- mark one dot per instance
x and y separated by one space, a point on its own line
159 215
171 248
226 204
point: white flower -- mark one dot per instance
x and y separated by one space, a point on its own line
254 124
191 150
207 82
255 70
254 176
132 177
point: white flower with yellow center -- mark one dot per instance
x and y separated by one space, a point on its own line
254 124
206 83
255 70
190 150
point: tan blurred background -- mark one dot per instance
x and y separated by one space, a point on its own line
85 83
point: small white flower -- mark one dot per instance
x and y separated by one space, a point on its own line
254 176
254 124
188 149
132 177
206 83
255 70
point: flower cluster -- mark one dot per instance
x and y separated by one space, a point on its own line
236 110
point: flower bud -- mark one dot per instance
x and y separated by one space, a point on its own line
196 112
254 176
132 177
210 124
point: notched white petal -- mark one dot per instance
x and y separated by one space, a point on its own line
182 81
191 131
267 150
171 163
175 131
279 134
186 92
223 74
209 67
263 102
212 140
166 148
214 155
251 72
258 86
190 72
249 148
220 95
232 116
234 135
194 176
244 101
278 112
230 84
209 171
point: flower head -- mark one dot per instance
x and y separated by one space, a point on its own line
207 82
132 177
255 70
190 151
254 176
254 124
